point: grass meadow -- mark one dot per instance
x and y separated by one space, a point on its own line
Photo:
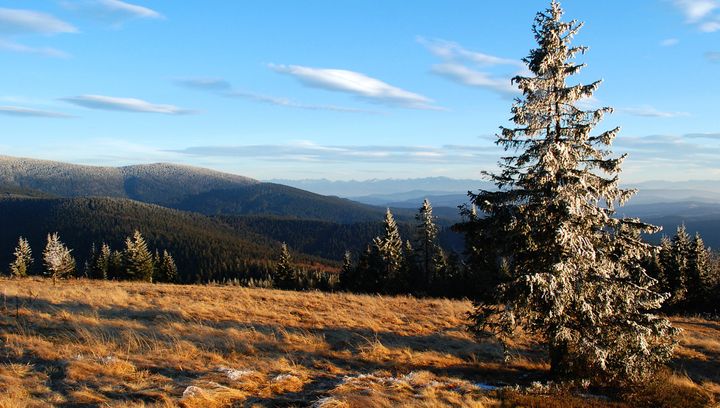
122 344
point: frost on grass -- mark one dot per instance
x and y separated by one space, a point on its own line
234 374
192 391
284 377
417 387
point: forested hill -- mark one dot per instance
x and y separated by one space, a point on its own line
159 183
278 200
204 249
182 187
330 240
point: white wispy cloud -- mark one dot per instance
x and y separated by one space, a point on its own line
669 42
696 10
125 104
588 103
710 26
115 12
16 21
357 84
467 76
289 103
7 45
682 152
713 136
713 56
206 84
473 68
306 151
20 111
224 88
703 13
651 112
449 50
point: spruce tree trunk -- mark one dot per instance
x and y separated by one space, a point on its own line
558 360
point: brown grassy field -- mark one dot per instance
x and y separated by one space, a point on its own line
90 343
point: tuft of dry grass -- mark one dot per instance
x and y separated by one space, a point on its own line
97 343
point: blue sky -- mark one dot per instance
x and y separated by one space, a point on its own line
342 90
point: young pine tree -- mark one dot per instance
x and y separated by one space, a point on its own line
699 281
23 259
285 273
662 260
59 262
115 263
369 274
408 273
166 268
137 258
390 248
426 245
96 267
347 272
677 267
575 274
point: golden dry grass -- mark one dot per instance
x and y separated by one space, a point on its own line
93 343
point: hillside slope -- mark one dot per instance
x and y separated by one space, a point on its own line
159 183
330 240
181 187
204 249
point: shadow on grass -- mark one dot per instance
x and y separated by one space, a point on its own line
345 348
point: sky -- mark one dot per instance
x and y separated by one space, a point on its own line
353 89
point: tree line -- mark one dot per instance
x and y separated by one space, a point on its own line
418 265
688 272
204 249
134 262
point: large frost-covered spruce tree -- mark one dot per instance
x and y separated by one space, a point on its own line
574 269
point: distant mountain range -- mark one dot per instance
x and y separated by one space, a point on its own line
669 204
384 191
387 187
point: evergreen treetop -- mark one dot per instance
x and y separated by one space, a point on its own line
23 259
138 260
59 262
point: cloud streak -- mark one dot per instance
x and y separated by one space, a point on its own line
288 103
311 152
44 51
205 84
448 50
16 21
19 111
223 88
473 68
651 112
467 76
685 151
357 84
704 14
111 103
115 12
